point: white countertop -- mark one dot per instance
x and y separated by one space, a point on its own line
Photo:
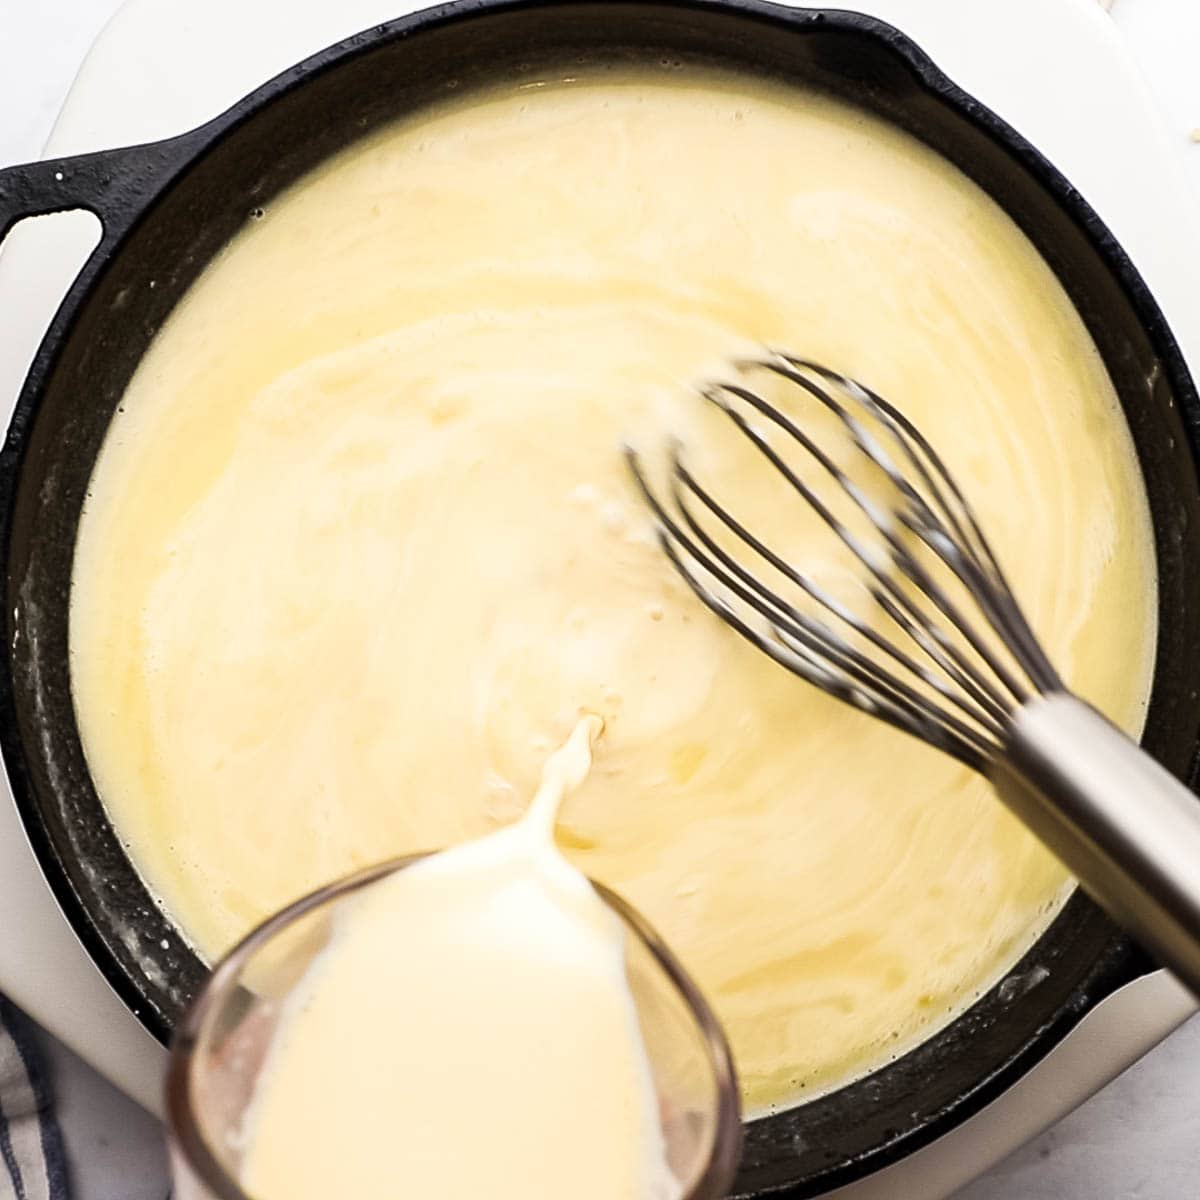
1137 1138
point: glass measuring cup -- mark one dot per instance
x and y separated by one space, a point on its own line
223 1041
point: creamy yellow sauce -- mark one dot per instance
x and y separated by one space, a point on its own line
361 544
368 1065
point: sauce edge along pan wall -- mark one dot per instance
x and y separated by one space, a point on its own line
168 208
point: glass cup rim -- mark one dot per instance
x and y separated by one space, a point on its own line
183 1126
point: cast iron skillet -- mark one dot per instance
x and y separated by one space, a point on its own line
169 207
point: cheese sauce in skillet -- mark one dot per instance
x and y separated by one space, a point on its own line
361 545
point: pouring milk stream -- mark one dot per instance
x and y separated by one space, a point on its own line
491 971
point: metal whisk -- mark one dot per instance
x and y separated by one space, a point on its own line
949 657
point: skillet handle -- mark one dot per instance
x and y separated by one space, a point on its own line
113 184
1123 824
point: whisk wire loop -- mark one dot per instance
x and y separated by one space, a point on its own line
680 475
970 670
946 654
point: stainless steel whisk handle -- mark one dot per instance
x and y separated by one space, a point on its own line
1127 828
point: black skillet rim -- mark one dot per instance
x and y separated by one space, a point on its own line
1120 962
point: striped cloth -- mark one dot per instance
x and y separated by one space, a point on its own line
32 1165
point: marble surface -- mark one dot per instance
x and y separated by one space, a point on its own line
1138 1139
